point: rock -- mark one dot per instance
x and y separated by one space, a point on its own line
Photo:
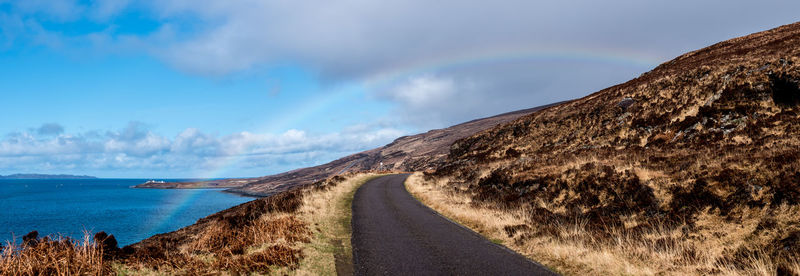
31 239
108 243
625 103
100 237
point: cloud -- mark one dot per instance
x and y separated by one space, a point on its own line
360 41
15 29
493 57
136 149
423 91
355 38
456 95
135 140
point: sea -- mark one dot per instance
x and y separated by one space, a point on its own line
73 207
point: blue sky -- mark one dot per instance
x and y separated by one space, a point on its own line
184 89
101 93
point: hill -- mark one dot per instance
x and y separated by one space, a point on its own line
409 153
697 159
691 168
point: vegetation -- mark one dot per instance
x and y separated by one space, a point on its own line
693 167
304 231
53 256
576 247
329 208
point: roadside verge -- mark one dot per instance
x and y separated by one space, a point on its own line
491 223
328 211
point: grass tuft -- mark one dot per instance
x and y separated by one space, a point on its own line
53 256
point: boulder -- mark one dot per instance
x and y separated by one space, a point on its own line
625 103
31 239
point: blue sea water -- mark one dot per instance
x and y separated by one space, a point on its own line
70 207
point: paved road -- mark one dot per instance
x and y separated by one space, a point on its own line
394 234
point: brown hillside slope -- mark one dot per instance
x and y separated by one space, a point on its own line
705 147
408 153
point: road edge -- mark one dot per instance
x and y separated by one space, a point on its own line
484 238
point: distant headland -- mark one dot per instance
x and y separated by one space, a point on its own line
45 176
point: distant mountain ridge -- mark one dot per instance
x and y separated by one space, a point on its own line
45 176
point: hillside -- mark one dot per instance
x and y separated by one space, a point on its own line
703 149
408 153
298 232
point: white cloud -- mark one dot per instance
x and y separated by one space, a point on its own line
424 91
191 153
481 56
362 40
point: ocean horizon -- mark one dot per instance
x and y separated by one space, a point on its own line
71 207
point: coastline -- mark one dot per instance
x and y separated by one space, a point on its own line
218 213
245 194
152 211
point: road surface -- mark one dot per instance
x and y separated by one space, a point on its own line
394 234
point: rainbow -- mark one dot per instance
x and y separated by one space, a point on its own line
389 76
309 109
171 207
620 57
623 57
182 199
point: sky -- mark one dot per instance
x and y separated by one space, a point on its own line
238 88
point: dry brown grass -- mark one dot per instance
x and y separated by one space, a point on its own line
255 237
574 247
53 256
329 208
693 167
303 232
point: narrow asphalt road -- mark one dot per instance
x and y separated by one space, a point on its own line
394 234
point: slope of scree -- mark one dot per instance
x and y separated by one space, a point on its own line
708 142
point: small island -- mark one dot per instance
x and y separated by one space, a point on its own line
45 176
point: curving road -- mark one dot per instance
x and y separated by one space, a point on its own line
394 234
